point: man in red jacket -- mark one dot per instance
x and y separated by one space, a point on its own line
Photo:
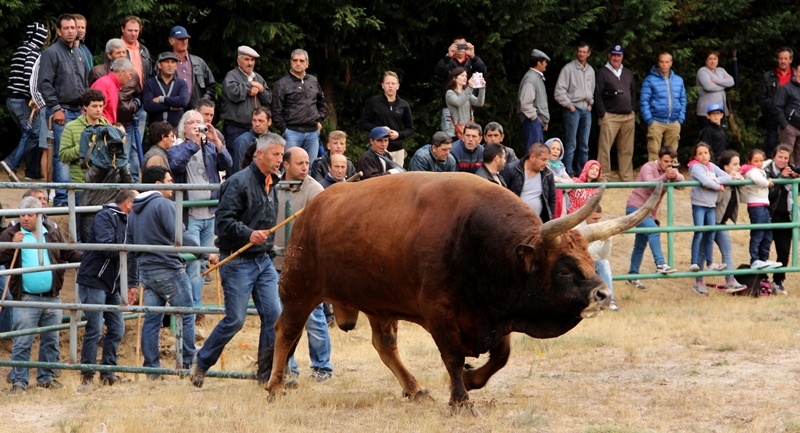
121 72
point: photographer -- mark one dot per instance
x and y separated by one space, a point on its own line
780 208
786 110
459 54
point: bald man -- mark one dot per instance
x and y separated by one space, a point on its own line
337 170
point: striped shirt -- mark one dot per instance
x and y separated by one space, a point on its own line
22 62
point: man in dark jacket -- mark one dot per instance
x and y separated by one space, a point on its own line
532 180
243 90
98 278
786 111
163 275
62 80
375 161
391 112
614 102
248 208
337 172
780 209
298 106
260 121
468 151
191 69
434 157
337 144
165 96
43 286
770 82
494 160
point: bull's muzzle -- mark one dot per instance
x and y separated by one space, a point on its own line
599 300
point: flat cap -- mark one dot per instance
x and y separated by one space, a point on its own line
539 53
168 55
244 50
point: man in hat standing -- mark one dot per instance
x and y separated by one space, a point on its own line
533 111
243 90
614 99
165 97
191 69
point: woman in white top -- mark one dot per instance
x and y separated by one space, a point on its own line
712 81
460 100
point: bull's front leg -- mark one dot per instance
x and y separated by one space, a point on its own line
454 358
498 356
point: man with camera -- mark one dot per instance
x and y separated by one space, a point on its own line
786 110
664 169
780 206
459 53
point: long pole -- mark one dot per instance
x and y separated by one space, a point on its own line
219 304
139 330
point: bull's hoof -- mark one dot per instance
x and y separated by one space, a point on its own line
420 396
465 408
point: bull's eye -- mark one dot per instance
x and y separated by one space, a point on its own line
564 273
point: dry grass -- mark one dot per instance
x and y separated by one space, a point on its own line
669 361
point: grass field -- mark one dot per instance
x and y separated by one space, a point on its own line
668 361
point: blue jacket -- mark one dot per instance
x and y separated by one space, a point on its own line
424 160
100 269
466 160
657 103
179 156
163 110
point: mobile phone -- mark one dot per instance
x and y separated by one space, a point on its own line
461 46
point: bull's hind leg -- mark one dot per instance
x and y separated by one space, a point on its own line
384 339
288 328
498 356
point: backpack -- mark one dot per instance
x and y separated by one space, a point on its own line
102 146
756 283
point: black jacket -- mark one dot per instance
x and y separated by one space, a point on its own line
100 269
244 206
298 104
714 135
769 85
484 173
779 195
447 64
612 94
370 165
396 115
319 168
786 104
62 76
514 176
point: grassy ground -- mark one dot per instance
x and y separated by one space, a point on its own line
668 361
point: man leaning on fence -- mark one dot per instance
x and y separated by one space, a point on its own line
98 279
42 286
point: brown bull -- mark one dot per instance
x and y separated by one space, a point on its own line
462 257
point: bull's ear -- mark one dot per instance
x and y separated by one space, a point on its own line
525 256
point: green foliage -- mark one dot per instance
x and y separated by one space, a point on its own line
352 42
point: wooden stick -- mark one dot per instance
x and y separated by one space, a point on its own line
139 331
219 304
269 232
8 280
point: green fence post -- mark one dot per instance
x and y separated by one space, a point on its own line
795 219
670 235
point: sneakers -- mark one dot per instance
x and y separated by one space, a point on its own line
665 269
110 380
17 390
771 264
53 384
12 175
717 267
694 268
613 306
322 375
638 284
759 264
700 288
196 374
777 288
734 286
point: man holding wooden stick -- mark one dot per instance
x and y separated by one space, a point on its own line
248 208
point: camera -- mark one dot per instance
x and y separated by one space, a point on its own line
794 168
461 46
675 165
203 129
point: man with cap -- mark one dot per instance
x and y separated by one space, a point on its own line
575 92
243 90
376 161
614 100
191 69
532 104
165 97
713 134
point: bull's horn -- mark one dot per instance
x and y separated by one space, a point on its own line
552 230
606 229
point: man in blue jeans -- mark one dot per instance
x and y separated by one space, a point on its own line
42 286
575 92
163 275
664 169
248 208
98 278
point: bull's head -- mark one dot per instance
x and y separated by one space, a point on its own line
563 259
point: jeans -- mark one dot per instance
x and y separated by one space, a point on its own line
115 328
760 240
723 240
533 132
60 170
702 216
134 142
642 240
309 141
577 125
165 286
203 230
241 278
27 318
6 318
20 111
232 132
603 269
319 342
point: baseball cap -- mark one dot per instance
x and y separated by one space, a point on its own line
378 132
168 55
616 49
715 107
179 32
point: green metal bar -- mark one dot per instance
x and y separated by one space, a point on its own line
670 224
704 273
30 331
796 219
715 228
200 203
687 183
123 369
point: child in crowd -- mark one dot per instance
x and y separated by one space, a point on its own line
727 209
704 201
560 174
713 134
601 252
757 197
591 172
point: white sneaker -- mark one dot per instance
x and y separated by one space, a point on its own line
694 268
771 264
717 267
758 264
665 269
613 307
